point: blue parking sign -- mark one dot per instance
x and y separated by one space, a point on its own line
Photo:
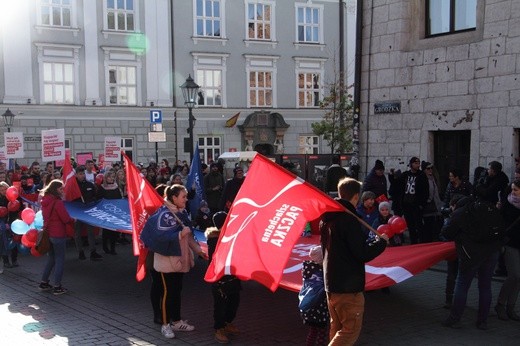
155 116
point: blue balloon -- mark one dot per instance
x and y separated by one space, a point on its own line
38 223
12 244
19 227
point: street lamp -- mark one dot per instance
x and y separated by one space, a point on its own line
8 119
190 93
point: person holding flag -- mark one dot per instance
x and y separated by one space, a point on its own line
346 251
168 234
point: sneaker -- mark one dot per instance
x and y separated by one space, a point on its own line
44 286
167 332
231 329
59 290
220 336
94 256
82 255
182 326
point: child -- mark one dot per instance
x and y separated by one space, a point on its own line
313 302
226 291
382 219
367 209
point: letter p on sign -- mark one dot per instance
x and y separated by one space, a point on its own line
156 116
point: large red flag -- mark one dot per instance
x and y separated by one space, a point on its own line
265 221
70 184
143 201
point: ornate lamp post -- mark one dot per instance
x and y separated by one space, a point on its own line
190 93
8 119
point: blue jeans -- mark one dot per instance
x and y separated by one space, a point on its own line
56 260
484 269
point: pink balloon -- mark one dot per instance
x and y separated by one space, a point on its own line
386 229
398 225
28 215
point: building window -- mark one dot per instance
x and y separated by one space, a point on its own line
309 24
261 83
208 18
309 145
56 12
58 83
309 89
122 85
260 89
260 20
210 92
210 148
450 16
127 146
120 15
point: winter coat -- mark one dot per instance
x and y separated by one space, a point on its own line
511 214
211 180
375 183
334 175
55 216
346 251
319 314
491 186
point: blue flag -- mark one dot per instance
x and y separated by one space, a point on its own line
195 181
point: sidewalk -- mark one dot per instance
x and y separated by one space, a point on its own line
106 306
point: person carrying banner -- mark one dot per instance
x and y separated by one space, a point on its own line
56 218
169 235
226 291
109 190
88 195
346 251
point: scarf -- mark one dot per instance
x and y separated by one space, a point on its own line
514 200
112 186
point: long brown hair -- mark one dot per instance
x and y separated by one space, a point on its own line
52 188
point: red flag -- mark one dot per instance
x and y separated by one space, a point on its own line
143 201
70 184
394 265
264 222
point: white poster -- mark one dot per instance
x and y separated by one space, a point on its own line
13 142
2 155
112 149
53 145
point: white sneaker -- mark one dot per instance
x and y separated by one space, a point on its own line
167 331
182 326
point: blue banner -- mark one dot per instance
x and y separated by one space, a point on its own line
112 214
196 181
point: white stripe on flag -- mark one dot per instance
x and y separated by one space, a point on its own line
397 274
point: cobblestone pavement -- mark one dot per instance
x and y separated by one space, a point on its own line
106 306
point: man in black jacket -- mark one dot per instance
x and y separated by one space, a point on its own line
88 195
334 174
346 251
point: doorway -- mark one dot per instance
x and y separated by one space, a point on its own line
451 150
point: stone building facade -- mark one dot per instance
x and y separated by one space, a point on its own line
96 68
457 88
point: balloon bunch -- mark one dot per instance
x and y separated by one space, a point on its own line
27 229
396 225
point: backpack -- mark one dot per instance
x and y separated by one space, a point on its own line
485 222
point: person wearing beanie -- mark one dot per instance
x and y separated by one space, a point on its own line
367 209
313 299
203 217
411 194
225 291
375 181
493 185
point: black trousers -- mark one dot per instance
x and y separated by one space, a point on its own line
225 303
171 299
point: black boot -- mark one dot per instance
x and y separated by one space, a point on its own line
449 301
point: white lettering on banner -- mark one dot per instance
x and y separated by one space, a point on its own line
104 216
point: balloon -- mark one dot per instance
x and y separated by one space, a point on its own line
386 229
391 219
19 227
398 225
12 193
24 250
28 215
3 211
99 179
32 235
39 215
34 252
27 242
13 205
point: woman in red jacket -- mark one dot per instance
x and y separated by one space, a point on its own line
55 218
